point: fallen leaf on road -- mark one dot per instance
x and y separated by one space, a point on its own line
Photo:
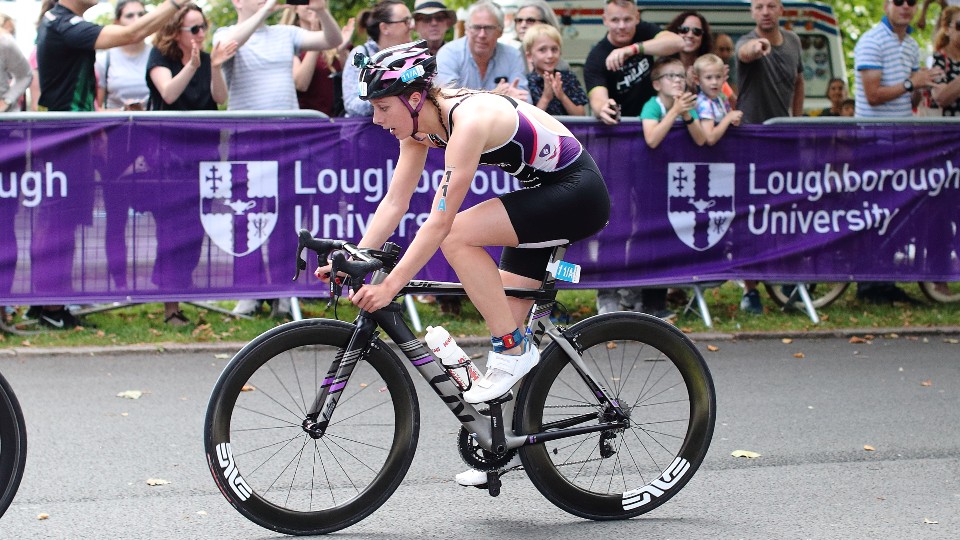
248 388
869 448
856 339
786 341
43 515
928 521
952 341
928 382
363 385
130 394
222 356
798 355
745 454
157 482
713 348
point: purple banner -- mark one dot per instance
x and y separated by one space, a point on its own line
147 208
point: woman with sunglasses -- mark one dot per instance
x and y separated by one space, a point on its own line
181 77
388 23
120 82
697 41
180 74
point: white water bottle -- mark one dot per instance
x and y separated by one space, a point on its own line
458 364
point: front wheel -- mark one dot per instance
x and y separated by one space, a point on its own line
271 469
662 384
13 445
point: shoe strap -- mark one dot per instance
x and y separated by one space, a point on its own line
502 362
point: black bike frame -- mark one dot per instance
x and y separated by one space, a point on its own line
483 427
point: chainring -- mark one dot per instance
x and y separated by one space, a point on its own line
476 457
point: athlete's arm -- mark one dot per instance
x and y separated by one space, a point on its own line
462 157
406 176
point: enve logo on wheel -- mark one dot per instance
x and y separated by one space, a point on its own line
636 498
700 202
231 473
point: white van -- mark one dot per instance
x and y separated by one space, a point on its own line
815 23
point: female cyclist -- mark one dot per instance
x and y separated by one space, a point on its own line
564 197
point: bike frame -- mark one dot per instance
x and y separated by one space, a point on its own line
487 430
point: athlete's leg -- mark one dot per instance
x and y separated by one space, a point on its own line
486 224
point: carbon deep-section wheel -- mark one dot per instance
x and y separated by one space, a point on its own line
662 384
13 445
267 464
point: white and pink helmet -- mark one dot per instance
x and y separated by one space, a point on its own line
395 70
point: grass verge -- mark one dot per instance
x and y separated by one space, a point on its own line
143 323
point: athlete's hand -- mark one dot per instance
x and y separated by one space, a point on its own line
373 297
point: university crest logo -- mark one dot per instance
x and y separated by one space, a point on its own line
238 203
700 202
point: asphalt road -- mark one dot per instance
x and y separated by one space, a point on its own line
91 453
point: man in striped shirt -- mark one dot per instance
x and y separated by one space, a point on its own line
887 63
888 83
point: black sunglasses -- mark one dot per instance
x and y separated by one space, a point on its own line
899 3
529 20
195 29
699 31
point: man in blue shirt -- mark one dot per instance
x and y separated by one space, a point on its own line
478 61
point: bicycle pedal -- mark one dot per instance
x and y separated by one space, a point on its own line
493 483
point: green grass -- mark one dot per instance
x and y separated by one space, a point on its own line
144 323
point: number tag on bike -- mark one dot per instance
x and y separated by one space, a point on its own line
565 271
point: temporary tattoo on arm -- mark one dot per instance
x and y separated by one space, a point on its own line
444 185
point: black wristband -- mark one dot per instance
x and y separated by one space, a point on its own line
688 122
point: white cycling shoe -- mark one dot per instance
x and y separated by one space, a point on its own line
503 371
475 478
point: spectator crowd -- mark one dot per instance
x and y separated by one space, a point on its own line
681 76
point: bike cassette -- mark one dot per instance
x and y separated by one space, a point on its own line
478 458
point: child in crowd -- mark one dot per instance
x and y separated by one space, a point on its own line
673 103
848 107
555 91
712 105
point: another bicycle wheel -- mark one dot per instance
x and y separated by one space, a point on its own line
277 475
821 294
13 445
660 381
944 292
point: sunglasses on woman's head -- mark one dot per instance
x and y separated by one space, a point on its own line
195 29
899 3
699 31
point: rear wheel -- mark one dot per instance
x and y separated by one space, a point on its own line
267 465
663 385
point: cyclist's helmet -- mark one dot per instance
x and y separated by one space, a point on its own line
394 70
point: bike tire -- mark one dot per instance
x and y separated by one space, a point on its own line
270 469
821 294
936 291
650 368
13 445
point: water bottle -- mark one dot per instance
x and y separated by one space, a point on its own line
458 364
